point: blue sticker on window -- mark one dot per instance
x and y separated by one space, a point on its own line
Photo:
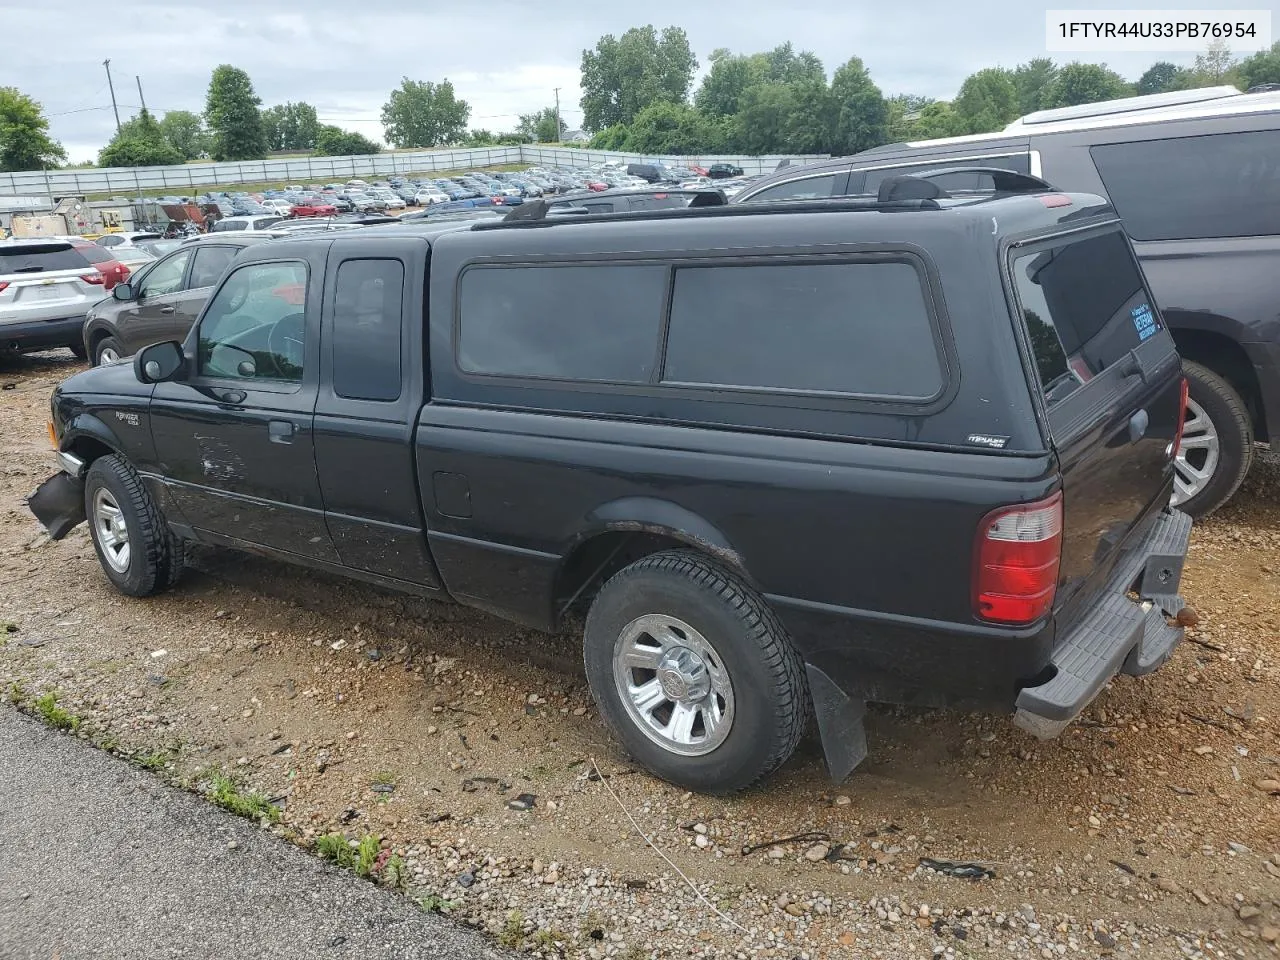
1144 320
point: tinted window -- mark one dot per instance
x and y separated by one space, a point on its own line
367 311
255 325
211 263
852 328
578 322
1085 307
36 259
93 253
1223 185
952 182
661 201
224 225
810 188
166 276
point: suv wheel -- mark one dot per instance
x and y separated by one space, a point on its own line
138 553
1217 443
107 350
694 673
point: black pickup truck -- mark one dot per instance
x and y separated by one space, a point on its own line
788 458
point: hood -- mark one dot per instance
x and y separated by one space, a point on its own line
115 379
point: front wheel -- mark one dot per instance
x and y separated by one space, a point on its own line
138 553
694 673
1217 443
107 350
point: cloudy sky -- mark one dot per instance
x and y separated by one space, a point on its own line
503 57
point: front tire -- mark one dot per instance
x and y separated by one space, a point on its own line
694 674
107 350
1217 443
138 553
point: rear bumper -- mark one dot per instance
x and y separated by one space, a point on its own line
1117 634
1265 358
43 334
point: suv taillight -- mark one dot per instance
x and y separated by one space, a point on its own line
1015 561
94 278
4 285
1182 418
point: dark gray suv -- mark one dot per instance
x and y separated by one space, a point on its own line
162 300
1195 175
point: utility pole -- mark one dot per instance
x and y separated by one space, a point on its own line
557 114
114 109
141 98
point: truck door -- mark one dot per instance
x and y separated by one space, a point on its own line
371 388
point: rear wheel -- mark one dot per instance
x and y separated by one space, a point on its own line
694 673
1217 443
78 350
107 350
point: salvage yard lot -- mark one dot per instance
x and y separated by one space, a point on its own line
1148 829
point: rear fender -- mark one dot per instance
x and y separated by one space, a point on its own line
664 518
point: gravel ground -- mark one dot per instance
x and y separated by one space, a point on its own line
1151 828
103 861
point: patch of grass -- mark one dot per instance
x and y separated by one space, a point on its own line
549 940
53 715
431 903
385 778
110 743
366 854
152 759
335 848
512 933
243 803
17 693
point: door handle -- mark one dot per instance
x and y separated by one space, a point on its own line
167 310
230 396
280 431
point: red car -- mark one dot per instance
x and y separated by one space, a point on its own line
109 270
313 207
597 186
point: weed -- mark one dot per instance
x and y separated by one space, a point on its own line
512 933
384 778
110 743
243 803
152 760
17 693
432 903
635 953
549 940
335 848
366 853
53 715
393 872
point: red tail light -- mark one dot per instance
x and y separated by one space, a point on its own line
94 278
1182 418
1016 558
3 285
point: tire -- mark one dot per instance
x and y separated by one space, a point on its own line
704 610
108 346
121 513
78 350
1217 443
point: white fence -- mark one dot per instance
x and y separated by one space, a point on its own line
187 178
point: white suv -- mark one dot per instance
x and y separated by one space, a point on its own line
46 288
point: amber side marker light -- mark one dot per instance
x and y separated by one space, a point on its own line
53 435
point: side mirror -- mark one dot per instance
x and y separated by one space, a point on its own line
159 362
123 291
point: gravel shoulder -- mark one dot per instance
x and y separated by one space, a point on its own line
1149 829
102 860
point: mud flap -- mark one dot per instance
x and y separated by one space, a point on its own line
844 738
58 503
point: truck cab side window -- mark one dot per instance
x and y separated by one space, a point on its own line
255 325
367 311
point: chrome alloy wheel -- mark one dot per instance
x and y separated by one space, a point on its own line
1198 455
110 530
673 684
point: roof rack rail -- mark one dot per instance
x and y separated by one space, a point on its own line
919 186
1264 88
1124 105
536 210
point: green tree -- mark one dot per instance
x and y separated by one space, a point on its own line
290 126
333 141
623 75
231 111
861 115
540 127
140 143
25 143
784 65
1162 77
1262 67
720 93
1214 66
424 114
763 121
812 123
1078 83
611 138
185 132
675 128
937 120
1030 80
987 101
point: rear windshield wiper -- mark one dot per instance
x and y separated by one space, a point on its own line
35 269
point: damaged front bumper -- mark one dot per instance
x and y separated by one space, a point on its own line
1118 634
58 503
